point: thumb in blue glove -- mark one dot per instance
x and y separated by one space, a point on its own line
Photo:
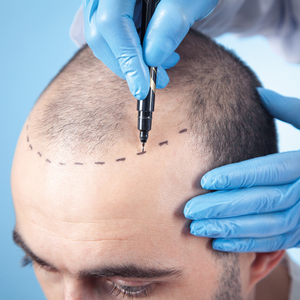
257 207
111 33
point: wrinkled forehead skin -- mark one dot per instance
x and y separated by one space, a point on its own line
128 212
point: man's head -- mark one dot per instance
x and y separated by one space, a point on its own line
98 217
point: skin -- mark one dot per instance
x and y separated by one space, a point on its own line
82 217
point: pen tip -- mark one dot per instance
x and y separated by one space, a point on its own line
143 147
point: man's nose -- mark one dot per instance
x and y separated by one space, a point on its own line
78 290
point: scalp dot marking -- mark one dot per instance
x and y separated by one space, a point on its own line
183 130
62 164
121 159
163 143
48 161
30 147
78 163
40 154
28 138
140 153
99 163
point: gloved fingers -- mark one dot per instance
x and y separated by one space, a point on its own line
252 226
270 244
85 3
274 169
286 109
112 16
89 9
170 23
171 61
162 78
248 201
95 39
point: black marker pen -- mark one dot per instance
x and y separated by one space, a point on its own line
146 107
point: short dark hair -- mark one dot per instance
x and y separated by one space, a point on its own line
87 103
225 111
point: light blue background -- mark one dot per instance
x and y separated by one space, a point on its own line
35 44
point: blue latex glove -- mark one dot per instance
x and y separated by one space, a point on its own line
257 207
110 31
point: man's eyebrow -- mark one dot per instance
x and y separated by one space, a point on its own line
124 271
17 238
130 271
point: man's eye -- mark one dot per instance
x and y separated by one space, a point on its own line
129 291
26 261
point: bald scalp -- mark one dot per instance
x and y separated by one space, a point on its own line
83 107
86 106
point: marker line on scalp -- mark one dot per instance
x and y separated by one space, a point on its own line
183 130
140 153
102 162
163 143
120 159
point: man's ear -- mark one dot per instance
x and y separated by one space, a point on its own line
263 264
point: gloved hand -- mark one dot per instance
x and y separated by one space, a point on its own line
110 30
258 206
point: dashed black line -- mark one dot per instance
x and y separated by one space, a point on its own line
121 159
183 130
100 162
163 143
140 153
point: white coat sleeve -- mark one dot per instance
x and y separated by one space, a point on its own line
277 20
77 29
293 262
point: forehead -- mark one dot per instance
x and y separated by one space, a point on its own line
119 208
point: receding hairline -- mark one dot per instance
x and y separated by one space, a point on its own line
205 81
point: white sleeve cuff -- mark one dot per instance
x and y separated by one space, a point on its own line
77 29
293 259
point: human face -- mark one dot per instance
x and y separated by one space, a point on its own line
116 230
